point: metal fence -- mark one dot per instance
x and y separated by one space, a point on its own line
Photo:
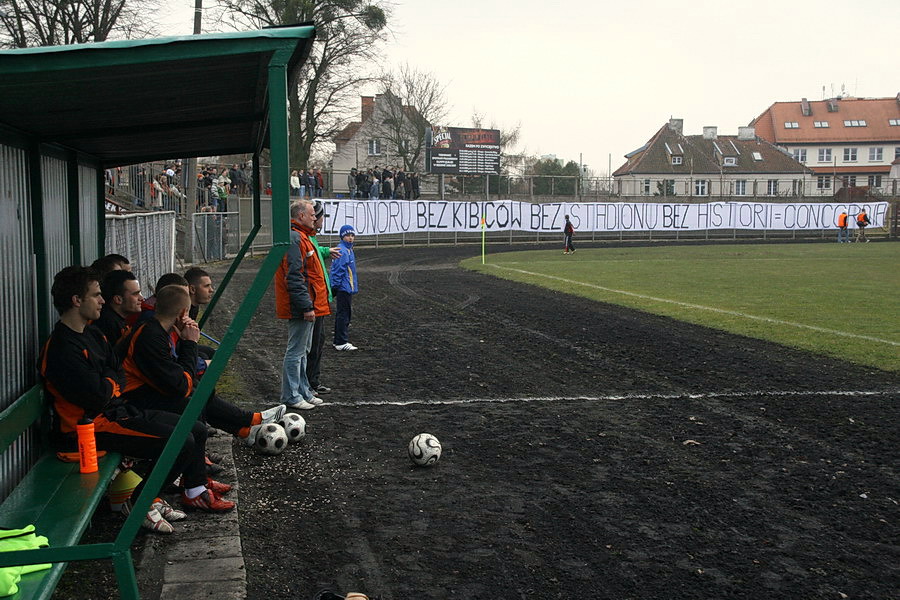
215 235
147 239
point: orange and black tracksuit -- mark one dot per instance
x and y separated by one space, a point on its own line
82 378
161 378
112 325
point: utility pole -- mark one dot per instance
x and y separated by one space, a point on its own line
191 170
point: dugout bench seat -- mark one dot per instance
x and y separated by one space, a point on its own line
53 496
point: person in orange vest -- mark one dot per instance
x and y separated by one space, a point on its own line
843 233
862 221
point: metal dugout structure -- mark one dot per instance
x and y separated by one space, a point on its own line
69 112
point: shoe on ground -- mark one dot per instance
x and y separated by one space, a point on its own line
302 405
322 389
315 400
156 523
274 414
213 469
207 501
345 347
168 512
214 457
217 486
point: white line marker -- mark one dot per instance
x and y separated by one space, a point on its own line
701 307
615 398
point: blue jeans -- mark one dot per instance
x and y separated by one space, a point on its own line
294 384
843 235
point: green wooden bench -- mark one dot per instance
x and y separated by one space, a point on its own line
53 496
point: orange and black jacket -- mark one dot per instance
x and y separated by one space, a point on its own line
81 376
111 324
862 219
153 372
842 220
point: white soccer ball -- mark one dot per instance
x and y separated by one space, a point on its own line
271 439
294 426
424 450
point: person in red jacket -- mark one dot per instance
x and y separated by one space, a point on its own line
301 295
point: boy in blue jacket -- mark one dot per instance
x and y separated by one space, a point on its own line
344 285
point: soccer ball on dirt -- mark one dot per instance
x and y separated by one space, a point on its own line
424 450
294 426
271 439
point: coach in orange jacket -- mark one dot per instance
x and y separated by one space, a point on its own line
301 295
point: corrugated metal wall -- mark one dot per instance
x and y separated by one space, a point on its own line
18 335
56 220
87 217
147 240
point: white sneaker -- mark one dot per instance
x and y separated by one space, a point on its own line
251 437
345 347
274 414
155 522
168 512
302 405
316 401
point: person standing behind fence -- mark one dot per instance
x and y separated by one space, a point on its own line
351 183
568 233
414 183
320 183
311 183
295 184
344 285
375 189
862 221
843 233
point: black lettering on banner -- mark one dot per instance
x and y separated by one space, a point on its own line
457 207
474 215
682 224
489 213
371 210
745 214
516 217
759 221
536 210
574 211
651 210
382 223
790 216
716 220
440 222
668 211
423 221
629 211
878 214
502 216
555 217
602 213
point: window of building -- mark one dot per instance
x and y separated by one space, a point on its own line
791 125
676 160
894 122
824 154
820 124
701 187
849 154
772 187
875 181
730 161
823 182
799 154
855 123
740 187
851 180
645 187
374 147
876 154
897 152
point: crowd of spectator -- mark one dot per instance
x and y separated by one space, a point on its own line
307 183
389 183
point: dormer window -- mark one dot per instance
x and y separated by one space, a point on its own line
791 125
820 124
677 160
730 161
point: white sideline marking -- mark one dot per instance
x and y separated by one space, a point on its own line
699 396
701 307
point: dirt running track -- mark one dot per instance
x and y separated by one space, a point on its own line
589 452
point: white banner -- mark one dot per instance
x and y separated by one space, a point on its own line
371 217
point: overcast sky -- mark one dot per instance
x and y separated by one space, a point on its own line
598 79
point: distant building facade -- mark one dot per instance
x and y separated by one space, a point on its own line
847 142
363 144
699 167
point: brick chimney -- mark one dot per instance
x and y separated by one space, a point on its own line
368 106
676 125
746 133
710 133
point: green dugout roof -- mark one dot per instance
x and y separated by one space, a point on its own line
126 102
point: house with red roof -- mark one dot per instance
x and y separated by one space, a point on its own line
372 140
846 141
710 165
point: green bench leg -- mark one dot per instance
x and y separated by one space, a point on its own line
125 576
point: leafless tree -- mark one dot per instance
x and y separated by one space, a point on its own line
510 157
411 102
26 23
348 33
